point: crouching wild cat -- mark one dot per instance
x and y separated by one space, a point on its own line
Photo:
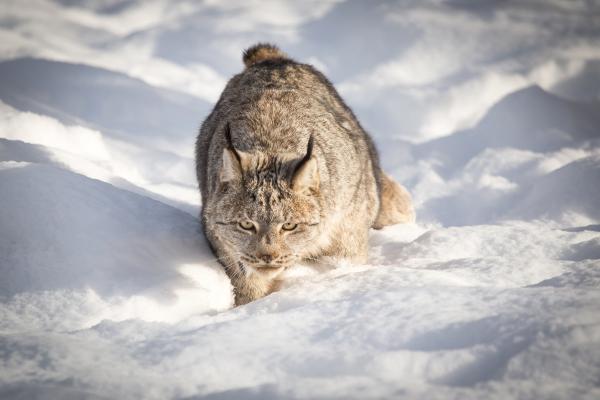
287 174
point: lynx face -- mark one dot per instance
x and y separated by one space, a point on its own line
267 214
269 230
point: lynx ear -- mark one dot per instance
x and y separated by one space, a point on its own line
306 174
231 170
231 165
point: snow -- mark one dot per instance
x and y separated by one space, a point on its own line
488 113
156 266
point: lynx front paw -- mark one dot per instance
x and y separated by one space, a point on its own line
252 288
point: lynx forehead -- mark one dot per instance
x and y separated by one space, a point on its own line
287 174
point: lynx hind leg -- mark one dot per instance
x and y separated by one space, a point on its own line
396 204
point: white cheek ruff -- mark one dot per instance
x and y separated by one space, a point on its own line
248 269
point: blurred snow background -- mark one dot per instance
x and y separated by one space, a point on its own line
489 112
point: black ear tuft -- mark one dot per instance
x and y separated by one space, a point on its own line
305 178
309 147
308 155
230 143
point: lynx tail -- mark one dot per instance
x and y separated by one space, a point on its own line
396 204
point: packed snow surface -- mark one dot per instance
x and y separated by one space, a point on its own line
489 113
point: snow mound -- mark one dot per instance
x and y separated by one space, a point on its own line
119 106
107 252
442 313
528 119
157 174
568 193
96 277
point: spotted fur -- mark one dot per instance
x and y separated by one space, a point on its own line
281 149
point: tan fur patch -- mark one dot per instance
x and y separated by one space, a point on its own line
396 204
261 52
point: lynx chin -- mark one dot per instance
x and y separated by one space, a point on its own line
287 174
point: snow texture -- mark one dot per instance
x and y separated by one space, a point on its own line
489 112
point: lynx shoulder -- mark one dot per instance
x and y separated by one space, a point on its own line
287 174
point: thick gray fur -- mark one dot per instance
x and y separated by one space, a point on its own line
281 147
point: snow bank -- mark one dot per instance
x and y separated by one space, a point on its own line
453 313
93 251
158 174
106 293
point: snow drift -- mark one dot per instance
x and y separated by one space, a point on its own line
439 313
107 253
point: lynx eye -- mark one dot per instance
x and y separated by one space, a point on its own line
246 225
288 226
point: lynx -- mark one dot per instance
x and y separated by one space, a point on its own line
288 175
